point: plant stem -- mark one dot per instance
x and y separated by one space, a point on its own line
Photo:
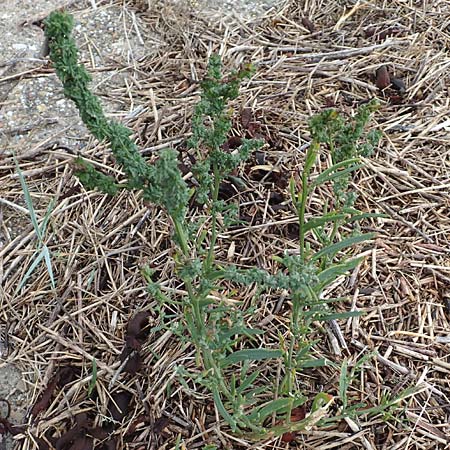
194 300
301 214
215 195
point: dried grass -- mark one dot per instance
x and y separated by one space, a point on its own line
98 243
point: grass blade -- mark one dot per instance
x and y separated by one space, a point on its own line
48 264
28 201
94 377
30 270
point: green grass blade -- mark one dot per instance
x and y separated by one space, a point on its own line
30 270
48 264
313 363
362 216
28 201
338 316
311 156
94 377
46 219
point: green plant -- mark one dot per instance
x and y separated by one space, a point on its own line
93 380
42 252
225 343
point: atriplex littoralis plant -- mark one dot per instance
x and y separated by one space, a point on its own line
224 341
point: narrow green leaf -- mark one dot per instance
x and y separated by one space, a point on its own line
311 156
272 407
321 400
28 201
340 173
339 316
320 221
48 264
93 378
292 191
247 382
48 214
347 166
331 273
30 270
222 411
363 216
312 363
334 248
254 354
240 331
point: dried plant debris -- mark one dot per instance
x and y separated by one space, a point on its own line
100 243
137 331
383 79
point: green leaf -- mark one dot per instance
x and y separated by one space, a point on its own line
28 202
270 408
335 171
311 156
254 354
92 179
294 197
321 400
93 378
313 363
48 264
339 316
363 216
34 264
331 273
334 248
240 331
222 411
46 219
320 221
247 382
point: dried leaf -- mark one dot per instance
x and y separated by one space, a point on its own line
232 143
82 443
42 444
308 25
160 424
137 332
43 402
118 406
134 363
246 117
111 444
383 80
138 325
66 375
67 438
297 414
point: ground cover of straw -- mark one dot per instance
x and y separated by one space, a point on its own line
98 244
